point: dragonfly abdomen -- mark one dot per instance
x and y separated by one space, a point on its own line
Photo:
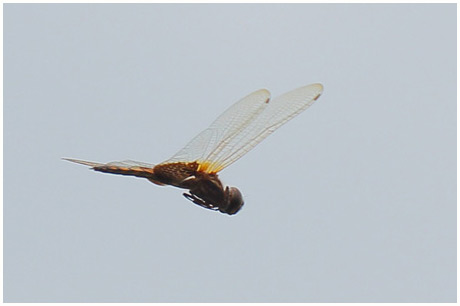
132 171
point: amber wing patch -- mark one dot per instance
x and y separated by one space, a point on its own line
209 167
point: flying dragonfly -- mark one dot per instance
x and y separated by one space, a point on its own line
236 131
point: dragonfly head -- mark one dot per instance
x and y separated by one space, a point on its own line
233 201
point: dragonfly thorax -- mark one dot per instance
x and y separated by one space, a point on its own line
207 191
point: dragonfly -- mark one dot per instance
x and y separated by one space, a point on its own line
235 132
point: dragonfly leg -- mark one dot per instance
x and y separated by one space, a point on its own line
199 201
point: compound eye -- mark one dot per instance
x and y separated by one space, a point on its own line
234 200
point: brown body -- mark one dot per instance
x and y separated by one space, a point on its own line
206 189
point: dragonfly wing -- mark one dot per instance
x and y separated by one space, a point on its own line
126 167
229 124
124 163
130 164
279 111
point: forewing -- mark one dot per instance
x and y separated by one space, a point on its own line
225 128
279 111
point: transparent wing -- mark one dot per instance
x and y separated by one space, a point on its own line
121 164
126 167
243 126
279 111
223 129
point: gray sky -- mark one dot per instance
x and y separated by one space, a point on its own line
352 201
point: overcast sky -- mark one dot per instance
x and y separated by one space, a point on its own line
352 201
